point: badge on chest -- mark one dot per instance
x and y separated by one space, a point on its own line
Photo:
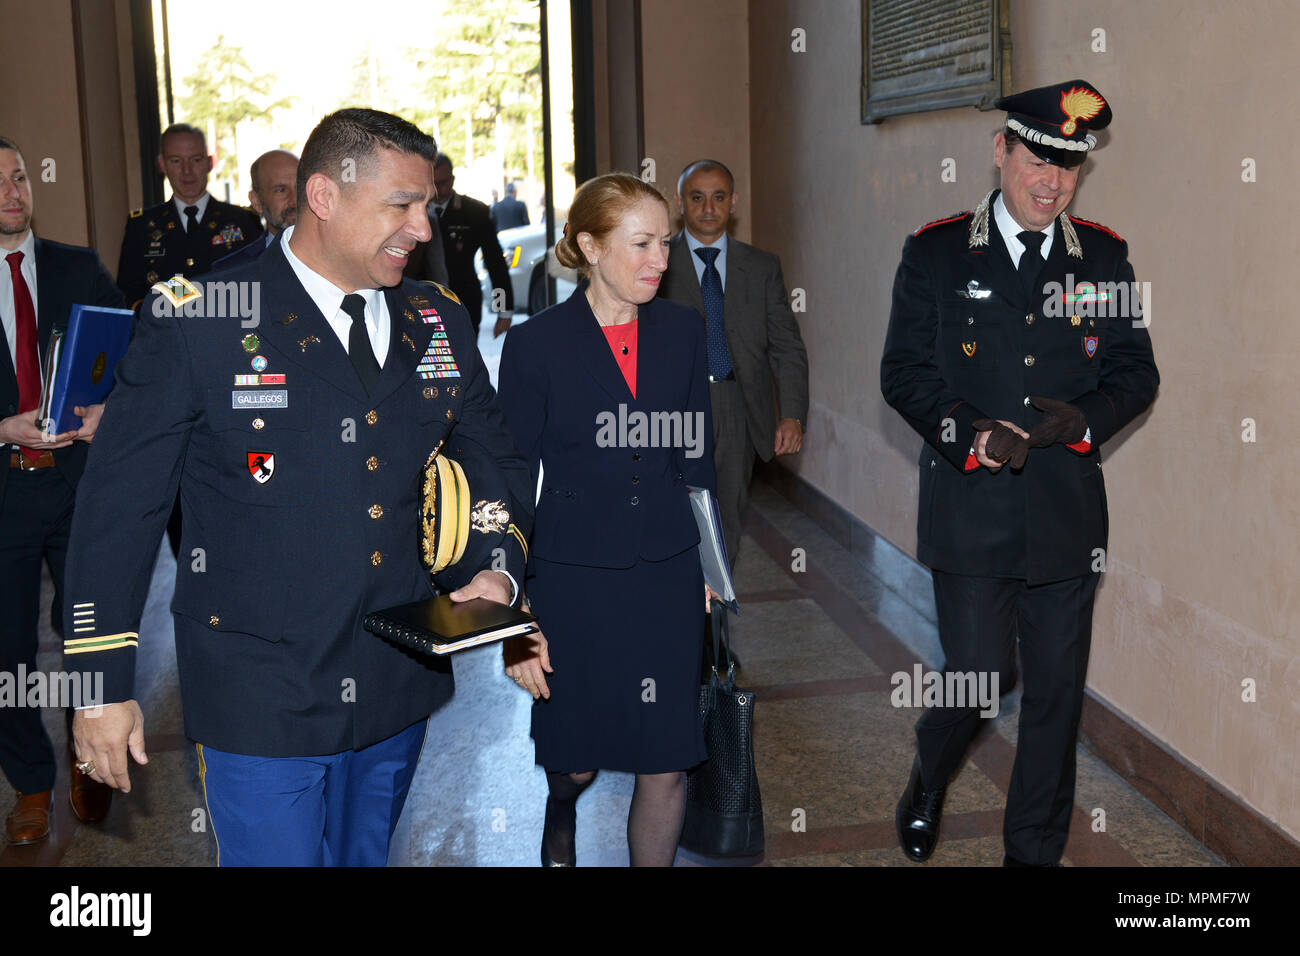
261 465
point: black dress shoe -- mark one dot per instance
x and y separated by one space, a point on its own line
917 817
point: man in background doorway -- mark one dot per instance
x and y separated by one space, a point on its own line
509 213
273 197
190 231
752 337
465 226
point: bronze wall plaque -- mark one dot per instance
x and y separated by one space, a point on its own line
932 54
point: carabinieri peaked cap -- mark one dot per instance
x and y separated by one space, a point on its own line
1055 122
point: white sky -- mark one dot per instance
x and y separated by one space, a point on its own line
310 46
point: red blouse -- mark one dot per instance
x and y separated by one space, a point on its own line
622 342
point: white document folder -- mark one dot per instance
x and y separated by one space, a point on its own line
713 549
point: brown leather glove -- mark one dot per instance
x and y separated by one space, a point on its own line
1062 422
1004 445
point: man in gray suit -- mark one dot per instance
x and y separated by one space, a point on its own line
752 337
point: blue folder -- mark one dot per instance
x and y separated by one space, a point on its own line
96 340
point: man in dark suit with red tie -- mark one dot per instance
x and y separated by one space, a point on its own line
39 283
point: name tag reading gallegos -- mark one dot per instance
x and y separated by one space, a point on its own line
262 398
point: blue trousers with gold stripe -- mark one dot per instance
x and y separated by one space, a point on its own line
333 810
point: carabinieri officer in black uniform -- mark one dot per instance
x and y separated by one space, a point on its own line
189 232
1016 347
466 227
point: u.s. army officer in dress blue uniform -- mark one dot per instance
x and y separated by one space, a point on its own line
297 446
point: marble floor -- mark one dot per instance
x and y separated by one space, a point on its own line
818 647
819 633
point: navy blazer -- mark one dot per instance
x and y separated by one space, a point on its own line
246 253
610 494
278 570
65 275
954 355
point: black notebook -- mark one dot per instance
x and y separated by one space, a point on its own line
440 626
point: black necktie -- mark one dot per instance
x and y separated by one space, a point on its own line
191 220
1031 260
359 348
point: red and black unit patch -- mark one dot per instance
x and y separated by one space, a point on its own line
261 465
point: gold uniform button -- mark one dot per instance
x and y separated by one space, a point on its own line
1029 319
376 511
214 620
970 320
372 416
431 391
258 423
372 463
1029 360
376 559
450 415
189 263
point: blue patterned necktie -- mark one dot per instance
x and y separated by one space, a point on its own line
716 337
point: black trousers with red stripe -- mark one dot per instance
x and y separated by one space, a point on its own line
979 620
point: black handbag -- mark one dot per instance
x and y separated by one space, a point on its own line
724 813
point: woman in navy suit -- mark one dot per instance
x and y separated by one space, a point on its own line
607 393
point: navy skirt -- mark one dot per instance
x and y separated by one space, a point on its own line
626 645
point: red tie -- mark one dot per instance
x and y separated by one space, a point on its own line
28 365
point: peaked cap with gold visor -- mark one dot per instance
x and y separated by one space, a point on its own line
464 514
